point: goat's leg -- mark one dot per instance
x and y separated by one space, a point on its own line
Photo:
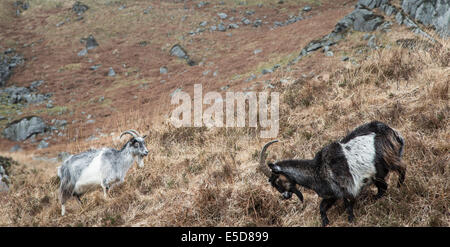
105 187
326 204
382 187
297 192
348 203
401 170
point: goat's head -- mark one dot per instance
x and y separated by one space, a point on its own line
137 145
277 178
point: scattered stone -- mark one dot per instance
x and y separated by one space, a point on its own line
249 12
22 129
111 72
95 67
91 43
251 78
60 23
122 7
163 70
246 21
179 52
233 26
42 144
83 53
372 42
222 15
221 27
147 10
329 54
79 8
203 23
307 8
90 121
206 72
202 4
35 84
257 23
213 28
266 71
257 51
345 58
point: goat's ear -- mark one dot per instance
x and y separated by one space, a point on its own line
275 168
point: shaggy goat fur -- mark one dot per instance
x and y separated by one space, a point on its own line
341 169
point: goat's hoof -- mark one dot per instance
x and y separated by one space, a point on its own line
351 218
325 222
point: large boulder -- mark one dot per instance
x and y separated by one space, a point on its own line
22 129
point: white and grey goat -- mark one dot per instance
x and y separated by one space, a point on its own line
341 169
105 167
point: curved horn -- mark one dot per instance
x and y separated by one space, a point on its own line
137 133
262 159
128 132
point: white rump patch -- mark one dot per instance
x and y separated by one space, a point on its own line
360 154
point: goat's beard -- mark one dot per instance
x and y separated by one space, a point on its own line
140 161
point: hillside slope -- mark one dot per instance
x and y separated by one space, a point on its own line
208 177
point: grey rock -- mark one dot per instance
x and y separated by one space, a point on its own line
79 8
307 8
371 4
266 71
329 54
122 7
221 27
222 15
91 43
111 72
35 84
202 4
257 51
163 70
399 18
213 28
233 26
203 23
257 23
60 23
147 10
246 21
22 129
90 121
179 52
345 58
249 12
372 43
42 144
83 52
95 67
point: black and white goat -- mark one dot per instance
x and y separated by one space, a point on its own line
105 167
341 169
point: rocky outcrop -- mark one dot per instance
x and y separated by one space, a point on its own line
22 129
9 59
434 13
5 167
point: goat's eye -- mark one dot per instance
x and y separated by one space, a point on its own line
136 144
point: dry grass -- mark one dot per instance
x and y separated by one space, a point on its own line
207 177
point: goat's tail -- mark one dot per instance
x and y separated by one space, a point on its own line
66 186
393 145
